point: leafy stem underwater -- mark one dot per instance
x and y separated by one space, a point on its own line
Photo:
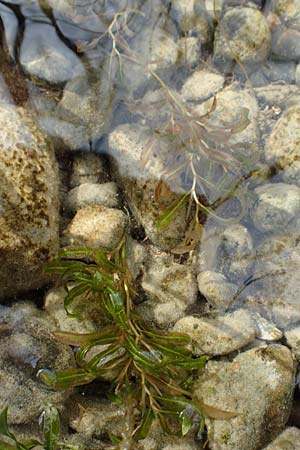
149 369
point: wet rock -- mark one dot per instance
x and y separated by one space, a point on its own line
170 289
281 96
293 339
44 56
258 385
89 320
288 10
139 176
11 26
190 51
26 347
87 168
216 289
277 208
275 290
201 85
274 72
136 256
95 226
285 43
105 194
265 329
94 417
282 147
235 254
29 174
289 439
243 34
219 336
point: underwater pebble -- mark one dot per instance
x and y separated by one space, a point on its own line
282 146
293 339
277 208
43 55
87 168
95 226
218 336
26 347
274 71
289 439
201 85
285 43
216 289
264 329
255 384
247 32
105 194
170 289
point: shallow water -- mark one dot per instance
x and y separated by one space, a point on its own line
192 109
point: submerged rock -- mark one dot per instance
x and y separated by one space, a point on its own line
26 347
243 34
218 336
96 226
44 55
277 208
289 439
105 194
216 289
258 387
87 168
139 175
29 205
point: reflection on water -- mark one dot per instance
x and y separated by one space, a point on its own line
193 107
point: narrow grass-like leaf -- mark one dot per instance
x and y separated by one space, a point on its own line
51 427
105 336
145 425
168 215
189 363
65 378
3 425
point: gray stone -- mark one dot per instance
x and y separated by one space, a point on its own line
87 168
293 339
277 208
105 194
274 72
285 43
289 439
95 226
257 387
44 56
29 205
216 289
90 317
139 177
243 34
219 336
201 85
26 347
170 289
282 147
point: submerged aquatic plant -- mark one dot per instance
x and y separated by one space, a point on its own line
150 370
50 424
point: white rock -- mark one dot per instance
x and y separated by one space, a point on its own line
201 85
105 194
218 336
96 226
216 288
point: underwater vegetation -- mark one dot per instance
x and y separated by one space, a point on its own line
149 370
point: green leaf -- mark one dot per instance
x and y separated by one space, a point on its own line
31 443
107 335
51 427
3 425
167 216
74 292
114 438
189 363
66 378
6 446
144 428
186 423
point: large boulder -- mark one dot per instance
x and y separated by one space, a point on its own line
29 206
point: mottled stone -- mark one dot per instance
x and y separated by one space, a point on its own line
105 194
258 387
218 336
216 289
201 85
26 347
96 226
29 205
289 439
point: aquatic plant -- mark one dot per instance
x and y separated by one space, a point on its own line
50 424
149 369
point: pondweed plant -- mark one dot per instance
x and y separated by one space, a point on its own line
150 370
50 424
